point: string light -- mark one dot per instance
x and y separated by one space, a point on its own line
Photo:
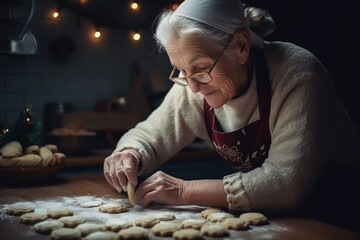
136 36
134 5
55 14
97 33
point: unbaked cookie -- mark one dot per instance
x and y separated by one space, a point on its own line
235 223
146 222
71 221
32 218
193 223
87 228
90 204
165 229
254 218
214 230
58 213
117 224
113 208
165 216
66 234
47 226
19 209
187 234
205 213
219 216
133 233
102 235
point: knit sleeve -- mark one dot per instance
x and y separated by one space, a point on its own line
168 129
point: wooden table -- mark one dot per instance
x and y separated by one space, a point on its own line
83 184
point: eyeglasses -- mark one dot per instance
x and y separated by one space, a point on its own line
201 77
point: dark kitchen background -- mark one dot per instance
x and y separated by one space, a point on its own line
74 72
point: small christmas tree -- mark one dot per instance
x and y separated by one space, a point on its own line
25 130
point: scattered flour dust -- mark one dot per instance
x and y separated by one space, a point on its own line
93 215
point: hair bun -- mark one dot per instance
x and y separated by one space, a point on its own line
260 20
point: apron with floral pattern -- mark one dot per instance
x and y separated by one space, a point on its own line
246 148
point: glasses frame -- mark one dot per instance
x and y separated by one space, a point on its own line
183 81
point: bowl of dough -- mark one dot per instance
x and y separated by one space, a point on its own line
34 163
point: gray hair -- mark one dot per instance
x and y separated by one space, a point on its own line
170 27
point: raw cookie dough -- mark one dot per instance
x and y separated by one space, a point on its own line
71 221
66 234
133 233
165 229
165 216
235 223
113 208
205 213
117 224
102 235
187 234
87 228
90 204
32 218
254 218
131 193
219 216
146 222
214 230
47 226
193 223
58 213
19 209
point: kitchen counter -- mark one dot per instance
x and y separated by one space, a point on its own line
70 184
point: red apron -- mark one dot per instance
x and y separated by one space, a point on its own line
248 147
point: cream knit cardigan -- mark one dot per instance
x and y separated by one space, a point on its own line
308 126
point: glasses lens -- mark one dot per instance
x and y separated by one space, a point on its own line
201 77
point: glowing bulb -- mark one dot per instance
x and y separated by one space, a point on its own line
134 5
97 34
136 36
55 14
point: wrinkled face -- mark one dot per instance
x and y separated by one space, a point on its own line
198 55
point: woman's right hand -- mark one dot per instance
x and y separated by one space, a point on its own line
121 167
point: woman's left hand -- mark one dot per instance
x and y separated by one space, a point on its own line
160 187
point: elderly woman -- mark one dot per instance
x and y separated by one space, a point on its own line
268 108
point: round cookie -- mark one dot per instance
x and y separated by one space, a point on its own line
90 204
165 229
133 233
47 226
117 224
66 234
113 208
32 218
146 222
58 213
205 213
187 234
193 223
102 235
214 230
19 209
254 218
219 216
71 221
87 228
235 223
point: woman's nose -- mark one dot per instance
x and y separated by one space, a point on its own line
193 85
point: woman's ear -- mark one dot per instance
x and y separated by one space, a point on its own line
242 41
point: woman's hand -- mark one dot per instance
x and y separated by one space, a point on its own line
160 187
120 167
